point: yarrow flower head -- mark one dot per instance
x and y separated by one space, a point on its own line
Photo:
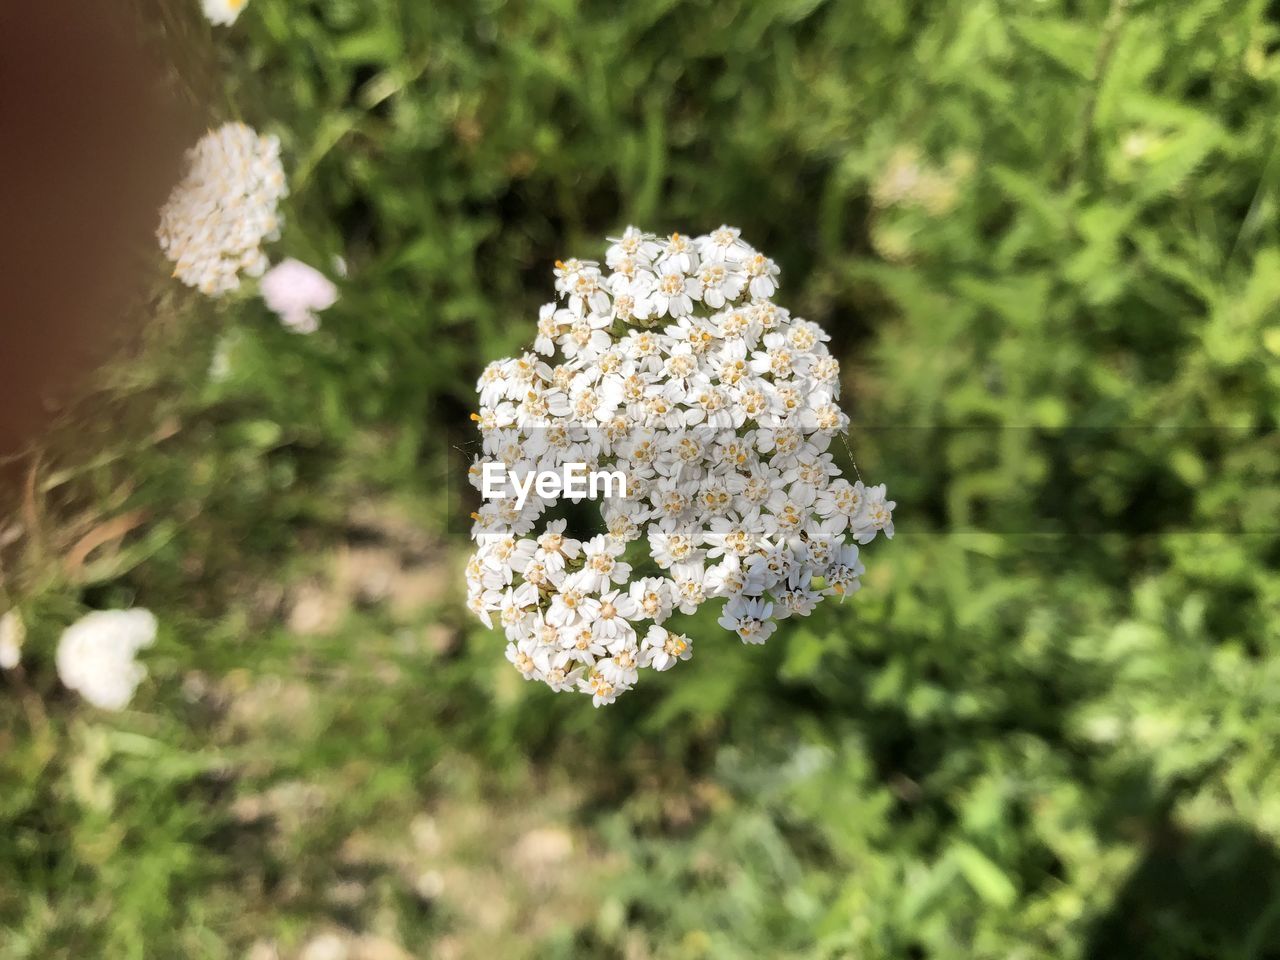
96 655
12 633
673 367
217 219
294 292
223 13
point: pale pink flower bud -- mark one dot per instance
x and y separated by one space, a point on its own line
295 291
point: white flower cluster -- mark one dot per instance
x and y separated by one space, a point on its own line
96 655
223 13
216 220
12 632
674 366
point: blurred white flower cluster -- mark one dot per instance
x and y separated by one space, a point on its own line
223 13
216 220
12 633
96 655
908 179
674 366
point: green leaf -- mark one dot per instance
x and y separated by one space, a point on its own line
988 881
1072 46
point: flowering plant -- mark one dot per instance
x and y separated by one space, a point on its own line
217 219
96 655
222 13
675 367
295 291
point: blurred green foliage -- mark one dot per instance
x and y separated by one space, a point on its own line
1044 238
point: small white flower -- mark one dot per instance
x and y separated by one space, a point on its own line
675 292
763 274
691 586
554 548
680 252
617 609
724 244
521 654
876 516
573 604
560 678
580 644
673 547
797 601
600 563
843 572
652 598
633 299
580 282
750 619
96 655
663 648
553 321
622 669
586 338
635 245
720 284
601 689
